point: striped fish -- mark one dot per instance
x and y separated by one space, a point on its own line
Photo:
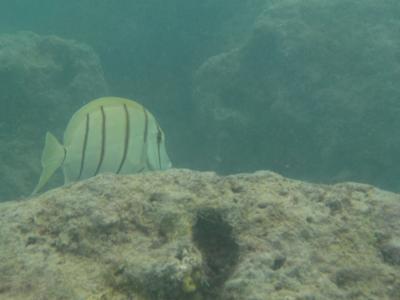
106 135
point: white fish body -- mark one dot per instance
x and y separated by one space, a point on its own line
108 134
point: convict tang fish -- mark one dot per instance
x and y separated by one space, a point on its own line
106 135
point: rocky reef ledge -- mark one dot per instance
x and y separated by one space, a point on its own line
182 234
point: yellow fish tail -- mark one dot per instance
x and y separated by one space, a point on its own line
52 158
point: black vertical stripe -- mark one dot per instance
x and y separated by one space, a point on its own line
145 130
85 139
159 139
146 121
126 140
103 140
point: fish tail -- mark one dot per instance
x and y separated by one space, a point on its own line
52 158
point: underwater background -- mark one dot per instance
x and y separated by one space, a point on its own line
308 89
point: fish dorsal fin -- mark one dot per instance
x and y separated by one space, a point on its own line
52 158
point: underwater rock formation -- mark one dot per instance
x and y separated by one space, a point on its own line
181 234
310 93
44 80
46 77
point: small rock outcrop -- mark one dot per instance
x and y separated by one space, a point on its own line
182 234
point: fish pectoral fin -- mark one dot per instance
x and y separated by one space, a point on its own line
52 158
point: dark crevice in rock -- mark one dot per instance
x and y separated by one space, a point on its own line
278 263
214 238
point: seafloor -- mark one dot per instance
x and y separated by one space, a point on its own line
182 234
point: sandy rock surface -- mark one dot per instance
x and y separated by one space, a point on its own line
182 234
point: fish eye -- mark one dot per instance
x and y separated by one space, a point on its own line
159 136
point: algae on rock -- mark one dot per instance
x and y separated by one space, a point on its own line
181 234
